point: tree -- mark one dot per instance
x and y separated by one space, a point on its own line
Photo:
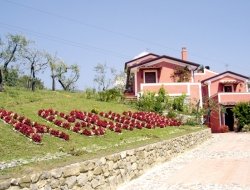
181 74
1 80
37 63
120 81
24 81
13 75
101 77
54 63
11 51
67 75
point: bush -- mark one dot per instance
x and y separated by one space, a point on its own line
171 114
90 93
110 95
178 103
246 128
146 102
153 102
192 122
242 113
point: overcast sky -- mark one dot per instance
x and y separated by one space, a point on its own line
87 32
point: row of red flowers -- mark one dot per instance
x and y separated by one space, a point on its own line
76 121
153 118
126 122
32 130
91 124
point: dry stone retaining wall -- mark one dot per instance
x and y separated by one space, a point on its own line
109 171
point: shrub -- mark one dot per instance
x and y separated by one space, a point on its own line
242 113
153 102
178 103
95 111
246 128
171 114
110 95
90 93
192 122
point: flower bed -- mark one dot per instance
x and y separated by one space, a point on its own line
90 124
79 122
153 119
139 120
32 130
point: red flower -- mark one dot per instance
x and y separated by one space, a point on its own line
36 138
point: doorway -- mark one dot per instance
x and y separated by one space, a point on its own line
229 119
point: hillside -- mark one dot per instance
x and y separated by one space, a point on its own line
14 146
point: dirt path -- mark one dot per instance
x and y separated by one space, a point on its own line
222 163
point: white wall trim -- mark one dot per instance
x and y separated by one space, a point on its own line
234 93
209 88
219 97
247 89
170 84
135 73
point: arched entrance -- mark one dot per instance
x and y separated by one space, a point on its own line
229 119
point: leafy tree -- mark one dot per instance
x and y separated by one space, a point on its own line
181 74
37 63
242 113
11 51
101 78
67 75
1 80
120 81
13 75
24 82
57 68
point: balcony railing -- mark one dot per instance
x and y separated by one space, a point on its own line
233 97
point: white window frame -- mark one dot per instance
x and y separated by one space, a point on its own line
150 71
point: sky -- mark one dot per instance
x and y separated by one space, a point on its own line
112 32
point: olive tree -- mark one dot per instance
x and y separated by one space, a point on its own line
68 75
104 76
11 51
37 62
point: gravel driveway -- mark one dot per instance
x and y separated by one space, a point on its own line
222 163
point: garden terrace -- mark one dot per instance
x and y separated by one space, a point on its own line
16 148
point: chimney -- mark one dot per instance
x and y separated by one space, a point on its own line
184 54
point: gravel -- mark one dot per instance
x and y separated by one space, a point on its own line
157 177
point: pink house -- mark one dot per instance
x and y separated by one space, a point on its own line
227 89
149 72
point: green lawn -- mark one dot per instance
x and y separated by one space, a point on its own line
15 146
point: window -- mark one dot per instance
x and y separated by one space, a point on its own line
150 77
228 88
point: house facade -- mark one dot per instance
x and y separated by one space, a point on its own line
149 72
226 89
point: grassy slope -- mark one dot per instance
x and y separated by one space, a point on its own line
15 146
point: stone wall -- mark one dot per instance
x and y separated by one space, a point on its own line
109 171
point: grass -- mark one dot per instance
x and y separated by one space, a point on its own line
15 146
